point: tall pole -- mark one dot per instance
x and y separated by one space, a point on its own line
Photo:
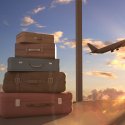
79 50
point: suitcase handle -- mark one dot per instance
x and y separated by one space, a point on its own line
39 105
36 66
33 50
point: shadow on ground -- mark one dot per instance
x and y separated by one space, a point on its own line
38 120
120 120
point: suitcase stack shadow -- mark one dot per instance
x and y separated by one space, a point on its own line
33 84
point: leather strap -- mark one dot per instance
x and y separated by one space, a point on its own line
17 82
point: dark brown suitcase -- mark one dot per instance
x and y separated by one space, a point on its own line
35 50
30 37
34 82
33 104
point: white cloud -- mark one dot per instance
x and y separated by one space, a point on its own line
101 74
61 46
3 68
38 9
27 20
84 1
39 25
55 2
5 22
57 36
24 29
70 44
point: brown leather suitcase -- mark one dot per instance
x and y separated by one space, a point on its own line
35 50
34 104
33 82
31 37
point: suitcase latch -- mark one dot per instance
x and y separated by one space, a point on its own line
50 80
17 103
59 101
17 80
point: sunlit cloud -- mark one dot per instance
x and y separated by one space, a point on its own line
3 68
107 94
117 63
57 36
61 46
55 2
72 43
27 20
101 74
38 9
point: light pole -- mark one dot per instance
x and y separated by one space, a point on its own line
79 96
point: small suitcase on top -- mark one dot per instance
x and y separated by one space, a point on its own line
34 104
30 37
26 82
32 64
35 50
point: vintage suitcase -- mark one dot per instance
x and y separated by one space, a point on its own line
32 64
35 50
33 104
34 82
30 37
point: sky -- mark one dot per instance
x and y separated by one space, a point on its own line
103 24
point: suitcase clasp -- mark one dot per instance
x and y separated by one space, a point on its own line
59 101
17 103
17 80
50 80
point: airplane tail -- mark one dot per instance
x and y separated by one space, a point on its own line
93 48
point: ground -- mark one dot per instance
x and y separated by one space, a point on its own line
84 113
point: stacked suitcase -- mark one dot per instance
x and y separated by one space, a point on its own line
33 84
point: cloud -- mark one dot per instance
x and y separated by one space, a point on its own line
57 36
72 44
84 1
3 68
106 94
55 2
5 22
39 25
27 20
61 46
101 74
24 29
38 9
117 63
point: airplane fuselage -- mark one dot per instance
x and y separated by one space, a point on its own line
112 47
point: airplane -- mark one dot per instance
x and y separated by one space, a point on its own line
111 47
